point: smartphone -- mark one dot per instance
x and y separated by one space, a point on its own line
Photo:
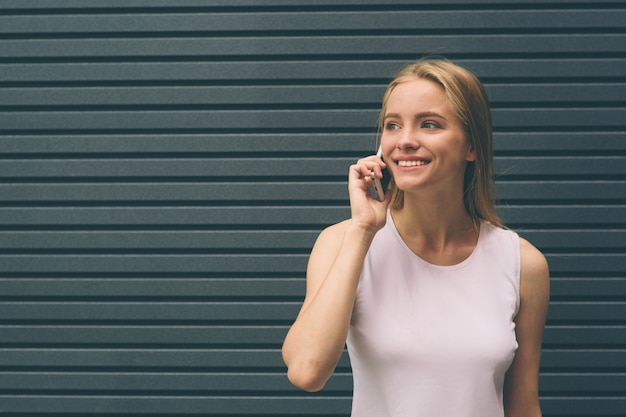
379 185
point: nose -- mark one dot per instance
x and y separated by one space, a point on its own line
408 140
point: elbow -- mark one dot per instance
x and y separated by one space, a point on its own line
309 377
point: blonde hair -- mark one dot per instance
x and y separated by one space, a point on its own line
469 101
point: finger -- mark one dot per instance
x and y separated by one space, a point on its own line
375 164
367 167
377 171
358 172
358 178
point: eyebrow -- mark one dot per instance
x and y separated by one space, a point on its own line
422 115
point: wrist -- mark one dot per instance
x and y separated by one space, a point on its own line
357 231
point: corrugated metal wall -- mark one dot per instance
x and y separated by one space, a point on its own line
166 165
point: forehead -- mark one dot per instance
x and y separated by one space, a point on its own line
417 96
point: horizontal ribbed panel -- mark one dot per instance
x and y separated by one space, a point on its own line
165 168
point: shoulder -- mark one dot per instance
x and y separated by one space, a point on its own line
533 262
332 235
328 243
534 272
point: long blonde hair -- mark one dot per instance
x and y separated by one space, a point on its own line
470 103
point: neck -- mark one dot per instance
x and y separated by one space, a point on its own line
434 221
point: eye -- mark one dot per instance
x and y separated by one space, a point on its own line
430 125
392 126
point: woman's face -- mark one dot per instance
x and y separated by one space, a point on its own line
423 141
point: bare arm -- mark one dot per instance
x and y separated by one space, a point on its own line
521 390
317 338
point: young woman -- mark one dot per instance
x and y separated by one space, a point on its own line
442 308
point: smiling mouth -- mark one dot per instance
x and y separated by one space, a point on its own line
413 163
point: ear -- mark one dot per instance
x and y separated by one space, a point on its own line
471 154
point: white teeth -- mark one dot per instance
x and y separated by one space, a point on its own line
411 163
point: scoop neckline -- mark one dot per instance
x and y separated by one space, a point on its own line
458 265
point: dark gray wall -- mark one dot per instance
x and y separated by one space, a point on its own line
165 166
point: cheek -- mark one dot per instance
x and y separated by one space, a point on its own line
387 144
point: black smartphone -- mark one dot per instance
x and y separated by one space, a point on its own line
379 185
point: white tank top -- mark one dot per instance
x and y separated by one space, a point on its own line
434 341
